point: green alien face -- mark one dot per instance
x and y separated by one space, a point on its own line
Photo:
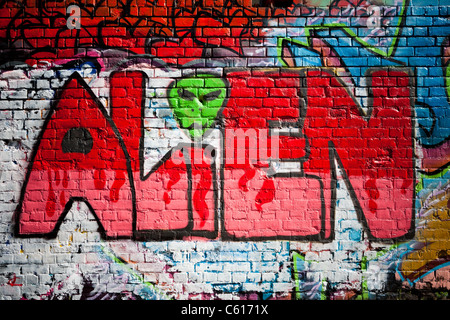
197 101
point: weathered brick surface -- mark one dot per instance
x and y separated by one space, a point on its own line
224 150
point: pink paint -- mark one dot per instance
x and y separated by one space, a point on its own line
165 199
271 207
436 158
378 166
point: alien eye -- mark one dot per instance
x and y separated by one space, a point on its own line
212 95
186 94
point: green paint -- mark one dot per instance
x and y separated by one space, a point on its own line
441 174
364 262
196 102
364 288
323 292
295 257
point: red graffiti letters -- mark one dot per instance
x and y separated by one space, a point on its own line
79 156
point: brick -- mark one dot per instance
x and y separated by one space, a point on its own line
211 268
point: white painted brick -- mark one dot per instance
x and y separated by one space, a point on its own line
31 279
42 94
13 74
6 258
284 276
239 277
240 256
270 245
11 292
154 123
224 277
156 143
256 287
227 296
206 266
184 267
49 74
265 267
20 84
20 259
198 288
11 104
181 246
42 84
236 246
340 275
36 104
195 276
5 114
5 156
206 246
44 278
255 256
180 277
91 257
14 94
268 256
268 276
226 256
237 266
63 258
20 115
57 83
150 277
210 277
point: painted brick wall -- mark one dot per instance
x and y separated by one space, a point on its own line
224 149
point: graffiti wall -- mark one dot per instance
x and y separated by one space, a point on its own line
229 149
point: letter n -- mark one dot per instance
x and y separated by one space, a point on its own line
374 149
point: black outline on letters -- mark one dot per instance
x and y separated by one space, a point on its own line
219 201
